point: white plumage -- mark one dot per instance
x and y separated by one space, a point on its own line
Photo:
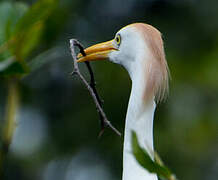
139 48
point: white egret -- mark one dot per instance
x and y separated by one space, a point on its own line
139 48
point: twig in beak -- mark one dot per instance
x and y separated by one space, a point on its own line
91 87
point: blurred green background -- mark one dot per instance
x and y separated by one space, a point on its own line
57 126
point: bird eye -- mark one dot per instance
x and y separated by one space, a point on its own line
118 39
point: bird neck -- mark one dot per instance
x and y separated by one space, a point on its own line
139 119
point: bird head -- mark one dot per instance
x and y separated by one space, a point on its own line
139 48
123 49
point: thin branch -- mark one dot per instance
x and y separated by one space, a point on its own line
91 88
93 84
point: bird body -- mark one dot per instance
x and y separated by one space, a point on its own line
139 48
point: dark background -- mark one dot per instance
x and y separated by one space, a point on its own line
57 131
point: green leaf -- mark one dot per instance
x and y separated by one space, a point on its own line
12 67
20 32
10 13
145 161
29 29
39 11
28 41
6 63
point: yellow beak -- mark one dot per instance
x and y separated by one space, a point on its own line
97 52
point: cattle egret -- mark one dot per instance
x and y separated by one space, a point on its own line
139 48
